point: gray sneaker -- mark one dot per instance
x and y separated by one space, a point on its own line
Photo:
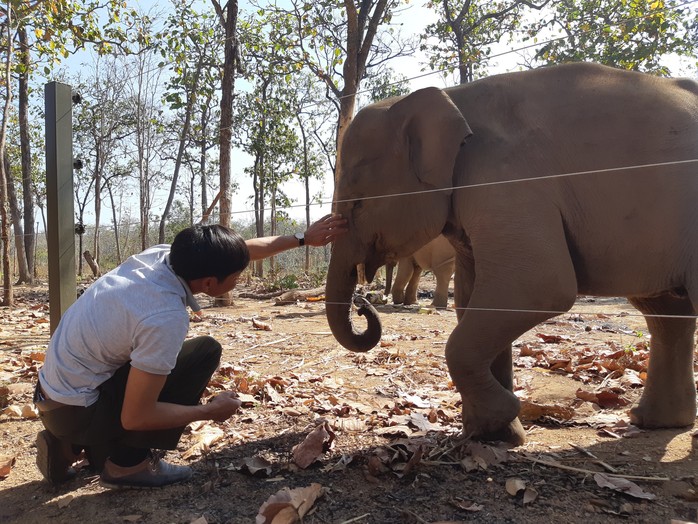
151 473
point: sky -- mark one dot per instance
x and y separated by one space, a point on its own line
414 17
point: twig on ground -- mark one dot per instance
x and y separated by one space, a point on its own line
270 343
597 460
360 517
591 472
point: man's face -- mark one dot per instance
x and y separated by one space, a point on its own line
220 287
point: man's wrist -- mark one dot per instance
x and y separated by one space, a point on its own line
300 237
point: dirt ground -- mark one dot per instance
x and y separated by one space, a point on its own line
337 437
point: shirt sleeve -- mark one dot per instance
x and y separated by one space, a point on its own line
158 340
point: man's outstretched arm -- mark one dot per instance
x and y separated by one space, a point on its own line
320 233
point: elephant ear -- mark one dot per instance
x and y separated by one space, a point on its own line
432 128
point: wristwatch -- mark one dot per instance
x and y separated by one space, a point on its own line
301 238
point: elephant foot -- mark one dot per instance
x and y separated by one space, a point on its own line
675 414
513 433
494 419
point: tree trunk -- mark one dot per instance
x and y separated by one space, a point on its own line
306 182
29 237
7 296
183 139
115 222
92 263
259 188
273 225
228 18
99 166
16 214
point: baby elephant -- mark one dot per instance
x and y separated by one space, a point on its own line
437 256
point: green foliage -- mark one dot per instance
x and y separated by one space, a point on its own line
283 282
317 277
387 84
462 37
630 34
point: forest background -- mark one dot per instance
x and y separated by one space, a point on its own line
203 110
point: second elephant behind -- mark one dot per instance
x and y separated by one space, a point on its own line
437 256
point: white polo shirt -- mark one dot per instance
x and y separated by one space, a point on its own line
136 313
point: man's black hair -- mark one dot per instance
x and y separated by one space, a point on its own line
208 251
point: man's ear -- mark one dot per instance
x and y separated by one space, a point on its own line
200 285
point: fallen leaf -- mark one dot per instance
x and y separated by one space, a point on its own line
422 423
200 520
412 463
395 431
532 411
607 398
13 411
487 455
415 400
376 467
530 494
29 411
514 485
288 506
349 424
132 518
6 464
622 485
551 339
258 324
247 400
205 438
38 355
318 441
468 506
253 465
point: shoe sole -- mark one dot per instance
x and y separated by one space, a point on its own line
53 473
42 454
110 485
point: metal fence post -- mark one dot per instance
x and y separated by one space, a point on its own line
59 194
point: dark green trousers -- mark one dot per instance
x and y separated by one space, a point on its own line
97 428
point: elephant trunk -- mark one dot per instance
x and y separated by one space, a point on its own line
341 282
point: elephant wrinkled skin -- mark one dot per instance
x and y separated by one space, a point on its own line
565 180
438 257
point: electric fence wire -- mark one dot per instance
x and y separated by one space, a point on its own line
559 175
323 200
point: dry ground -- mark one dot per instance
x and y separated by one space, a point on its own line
388 448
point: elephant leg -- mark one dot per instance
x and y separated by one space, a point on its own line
506 296
463 282
480 364
443 279
413 286
389 277
405 268
669 397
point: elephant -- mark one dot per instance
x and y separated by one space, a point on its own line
437 256
576 179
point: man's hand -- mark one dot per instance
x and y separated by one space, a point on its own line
223 406
142 411
325 230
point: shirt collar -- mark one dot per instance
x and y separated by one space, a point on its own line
189 299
